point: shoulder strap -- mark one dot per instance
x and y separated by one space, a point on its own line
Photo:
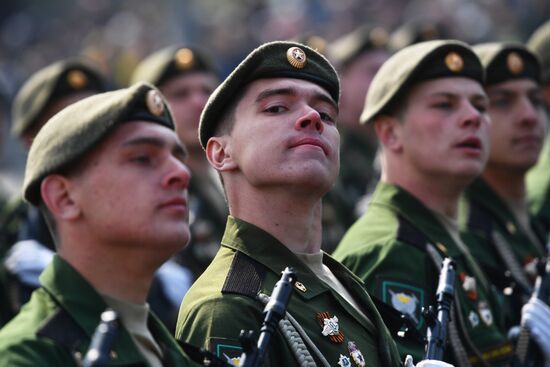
63 330
245 276
409 234
479 218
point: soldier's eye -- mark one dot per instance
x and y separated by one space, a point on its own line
275 109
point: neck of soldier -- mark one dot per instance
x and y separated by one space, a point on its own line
114 270
507 182
440 194
293 219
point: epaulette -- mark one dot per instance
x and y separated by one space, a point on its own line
64 331
409 234
479 218
245 276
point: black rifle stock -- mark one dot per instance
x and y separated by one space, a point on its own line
102 340
438 321
527 351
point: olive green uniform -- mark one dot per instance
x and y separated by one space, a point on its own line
392 249
493 233
223 301
56 326
538 188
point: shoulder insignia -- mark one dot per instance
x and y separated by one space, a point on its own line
229 350
245 276
405 298
410 234
63 330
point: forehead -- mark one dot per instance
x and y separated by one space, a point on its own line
189 79
300 86
514 85
131 130
453 85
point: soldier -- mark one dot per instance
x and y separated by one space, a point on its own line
428 108
498 229
108 174
538 178
186 76
23 229
357 57
270 130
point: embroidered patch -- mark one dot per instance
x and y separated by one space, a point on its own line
229 350
405 298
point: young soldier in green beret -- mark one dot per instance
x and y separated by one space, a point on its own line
497 226
428 108
270 131
186 76
108 174
23 229
538 178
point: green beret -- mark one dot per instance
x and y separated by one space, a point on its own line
506 61
416 31
279 59
416 63
346 49
539 43
78 128
47 85
170 62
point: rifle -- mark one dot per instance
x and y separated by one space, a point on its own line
253 353
527 351
437 323
102 340
274 311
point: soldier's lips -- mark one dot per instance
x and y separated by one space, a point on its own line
308 141
178 204
471 145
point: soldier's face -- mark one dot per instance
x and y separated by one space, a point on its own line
132 189
445 128
518 118
285 135
355 81
187 96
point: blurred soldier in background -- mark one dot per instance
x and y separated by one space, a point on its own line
24 232
357 56
108 174
415 31
428 108
497 226
186 76
538 178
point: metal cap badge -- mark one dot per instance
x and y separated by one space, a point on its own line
514 63
184 58
454 62
77 79
296 57
153 100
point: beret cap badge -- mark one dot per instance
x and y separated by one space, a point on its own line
154 103
454 62
77 79
514 63
184 58
296 57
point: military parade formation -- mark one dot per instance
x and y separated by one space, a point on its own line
399 182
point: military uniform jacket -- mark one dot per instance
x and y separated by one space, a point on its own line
55 327
388 248
487 219
222 302
538 187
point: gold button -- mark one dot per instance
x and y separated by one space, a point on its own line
300 286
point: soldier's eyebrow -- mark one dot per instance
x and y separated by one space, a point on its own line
293 92
177 150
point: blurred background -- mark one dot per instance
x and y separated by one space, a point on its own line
117 34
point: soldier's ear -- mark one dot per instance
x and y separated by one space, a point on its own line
56 194
388 131
219 153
